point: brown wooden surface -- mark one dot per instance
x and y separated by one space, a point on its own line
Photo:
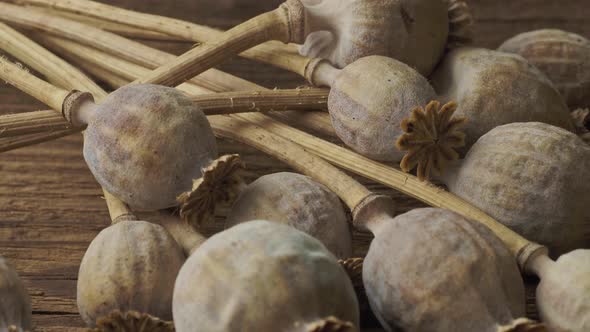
51 207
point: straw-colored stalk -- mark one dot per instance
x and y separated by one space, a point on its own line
211 80
50 65
272 52
12 143
22 124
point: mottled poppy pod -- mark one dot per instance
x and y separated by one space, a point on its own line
563 293
300 202
15 304
264 276
533 178
368 101
146 144
433 270
412 31
563 56
494 88
129 266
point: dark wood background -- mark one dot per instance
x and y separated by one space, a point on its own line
51 207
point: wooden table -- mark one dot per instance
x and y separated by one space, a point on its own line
51 207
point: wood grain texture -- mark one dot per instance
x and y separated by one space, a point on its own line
51 207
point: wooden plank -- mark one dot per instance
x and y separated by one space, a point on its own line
52 296
58 323
44 260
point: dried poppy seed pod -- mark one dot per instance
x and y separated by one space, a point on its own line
412 31
264 276
433 270
563 56
129 266
493 88
15 304
146 144
300 202
368 101
562 294
533 178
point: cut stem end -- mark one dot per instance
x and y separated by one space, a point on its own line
78 108
372 211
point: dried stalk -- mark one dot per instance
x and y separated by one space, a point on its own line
211 104
74 105
114 27
118 210
12 41
37 88
283 24
109 42
21 47
317 121
23 124
274 53
95 59
182 232
12 143
277 140
113 80
258 101
276 100
51 66
212 79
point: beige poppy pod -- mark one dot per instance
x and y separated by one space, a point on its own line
494 88
300 202
264 276
15 304
412 31
560 294
533 178
129 266
433 270
146 143
563 56
368 101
